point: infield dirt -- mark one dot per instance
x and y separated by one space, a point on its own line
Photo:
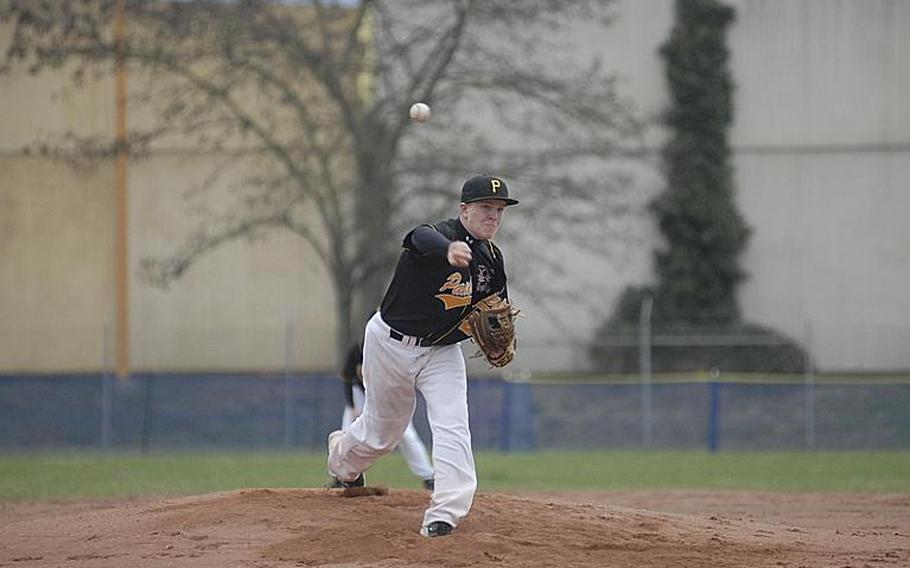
267 528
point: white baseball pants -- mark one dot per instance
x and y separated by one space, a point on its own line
411 446
392 371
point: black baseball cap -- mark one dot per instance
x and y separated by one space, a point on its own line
486 187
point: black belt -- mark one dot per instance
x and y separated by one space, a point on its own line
421 341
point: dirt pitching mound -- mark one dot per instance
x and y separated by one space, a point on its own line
316 527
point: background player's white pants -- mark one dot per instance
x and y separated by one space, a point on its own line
392 370
411 446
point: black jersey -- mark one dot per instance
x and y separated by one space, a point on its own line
429 298
350 373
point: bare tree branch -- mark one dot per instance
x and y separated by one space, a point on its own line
281 87
162 272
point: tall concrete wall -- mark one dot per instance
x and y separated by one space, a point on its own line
821 144
237 308
56 267
234 307
557 339
821 141
56 245
822 138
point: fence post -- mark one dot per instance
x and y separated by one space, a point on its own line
713 415
505 429
289 417
105 385
148 406
644 366
809 374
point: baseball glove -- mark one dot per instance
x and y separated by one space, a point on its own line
492 326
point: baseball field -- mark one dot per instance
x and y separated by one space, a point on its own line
630 509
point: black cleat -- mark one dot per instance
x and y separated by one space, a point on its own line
437 528
336 483
429 484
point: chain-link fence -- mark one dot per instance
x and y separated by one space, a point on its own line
707 382
643 338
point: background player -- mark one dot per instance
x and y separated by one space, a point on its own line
411 446
412 343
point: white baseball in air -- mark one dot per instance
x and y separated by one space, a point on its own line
420 112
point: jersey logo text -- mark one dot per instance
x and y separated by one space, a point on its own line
460 292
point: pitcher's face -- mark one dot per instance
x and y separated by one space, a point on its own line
482 218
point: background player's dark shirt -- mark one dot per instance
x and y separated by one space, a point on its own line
351 378
428 297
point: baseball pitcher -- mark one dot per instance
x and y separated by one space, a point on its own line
449 285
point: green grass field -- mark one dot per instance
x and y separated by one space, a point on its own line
98 475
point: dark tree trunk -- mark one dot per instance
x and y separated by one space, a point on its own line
376 243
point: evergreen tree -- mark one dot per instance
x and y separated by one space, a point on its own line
699 270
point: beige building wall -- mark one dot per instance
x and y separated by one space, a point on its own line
56 265
251 304
233 308
56 240
821 145
822 138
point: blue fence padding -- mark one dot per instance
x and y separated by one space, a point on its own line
713 415
519 418
49 410
207 410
